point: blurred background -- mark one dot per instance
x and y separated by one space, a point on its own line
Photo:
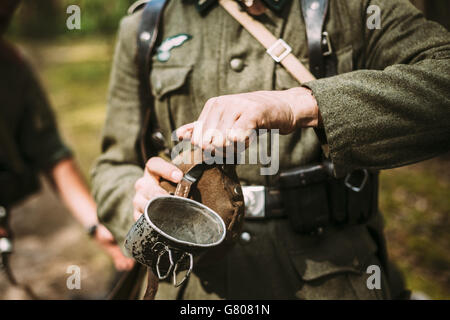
74 68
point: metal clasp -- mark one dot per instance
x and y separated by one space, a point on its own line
287 50
327 43
160 254
363 182
188 273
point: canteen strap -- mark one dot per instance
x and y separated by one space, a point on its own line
189 178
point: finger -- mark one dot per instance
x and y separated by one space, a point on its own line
130 264
121 262
123 265
226 123
159 167
197 135
210 132
185 132
103 234
149 188
136 215
139 203
201 124
241 129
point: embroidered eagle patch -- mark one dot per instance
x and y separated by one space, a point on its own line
163 51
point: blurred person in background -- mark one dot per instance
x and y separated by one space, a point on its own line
30 144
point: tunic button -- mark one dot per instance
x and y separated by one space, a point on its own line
237 64
246 237
315 5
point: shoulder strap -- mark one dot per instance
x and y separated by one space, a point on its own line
146 40
314 13
136 6
278 49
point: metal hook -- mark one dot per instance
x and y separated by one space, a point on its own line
191 265
160 254
362 184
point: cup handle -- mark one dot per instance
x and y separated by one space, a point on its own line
191 265
160 254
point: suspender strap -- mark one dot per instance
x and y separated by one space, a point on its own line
278 49
314 14
146 39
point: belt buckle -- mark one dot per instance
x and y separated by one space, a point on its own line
255 201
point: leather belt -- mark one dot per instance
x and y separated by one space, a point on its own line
312 200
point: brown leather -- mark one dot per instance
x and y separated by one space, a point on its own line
219 189
152 285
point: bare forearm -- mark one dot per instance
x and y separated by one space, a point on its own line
74 192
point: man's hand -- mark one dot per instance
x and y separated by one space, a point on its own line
106 240
231 118
148 187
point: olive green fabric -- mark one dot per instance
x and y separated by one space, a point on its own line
375 119
279 264
29 137
398 112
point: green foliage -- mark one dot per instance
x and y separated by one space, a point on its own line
47 18
415 202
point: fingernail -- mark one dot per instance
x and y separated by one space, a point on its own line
176 176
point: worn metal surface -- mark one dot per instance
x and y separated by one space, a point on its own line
171 228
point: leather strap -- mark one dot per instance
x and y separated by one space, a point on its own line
189 178
314 14
146 40
269 41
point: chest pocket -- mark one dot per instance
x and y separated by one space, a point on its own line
172 92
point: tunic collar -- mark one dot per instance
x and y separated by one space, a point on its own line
203 5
